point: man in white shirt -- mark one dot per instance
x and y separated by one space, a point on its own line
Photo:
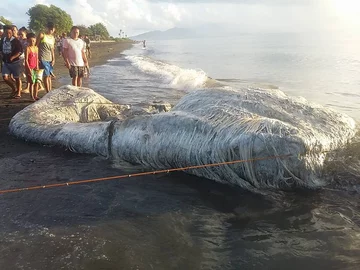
75 57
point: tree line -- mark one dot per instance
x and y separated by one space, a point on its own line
40 15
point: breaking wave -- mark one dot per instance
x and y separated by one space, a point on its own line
172 75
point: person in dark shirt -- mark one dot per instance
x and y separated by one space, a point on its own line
11 49
1 36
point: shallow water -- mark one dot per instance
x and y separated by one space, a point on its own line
172 221
324 69
178 221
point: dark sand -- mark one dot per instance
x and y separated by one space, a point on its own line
21 152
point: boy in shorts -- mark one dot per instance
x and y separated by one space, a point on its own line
75 57
46 45
11 49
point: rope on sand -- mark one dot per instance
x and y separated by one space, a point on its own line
5 119
15 190
60 103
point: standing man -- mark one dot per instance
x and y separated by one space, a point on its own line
87 41
46 44
62 39
58 44
75 57
23 40
11 49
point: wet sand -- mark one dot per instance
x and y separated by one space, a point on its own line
24 152
170 221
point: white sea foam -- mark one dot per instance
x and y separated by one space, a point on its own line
206 126
171 75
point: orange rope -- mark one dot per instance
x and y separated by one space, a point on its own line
137 174
73 102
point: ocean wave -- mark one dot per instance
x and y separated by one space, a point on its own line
206 126
172 75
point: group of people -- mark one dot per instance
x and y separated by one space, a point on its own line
23 52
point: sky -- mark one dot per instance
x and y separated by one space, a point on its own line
139 16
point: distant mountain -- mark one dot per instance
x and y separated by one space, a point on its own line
201 31
173 33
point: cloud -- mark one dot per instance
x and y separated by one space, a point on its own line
241 2
137 16
42 2
173 11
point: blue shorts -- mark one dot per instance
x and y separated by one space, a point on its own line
11 68
47 67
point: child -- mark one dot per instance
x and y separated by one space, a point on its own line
32 65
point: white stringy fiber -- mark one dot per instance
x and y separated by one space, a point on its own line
206 126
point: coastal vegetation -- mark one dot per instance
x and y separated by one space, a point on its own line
4 20
41 14
99 29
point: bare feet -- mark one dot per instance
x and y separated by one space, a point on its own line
14 92
41 87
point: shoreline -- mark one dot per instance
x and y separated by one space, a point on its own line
101 52
11 147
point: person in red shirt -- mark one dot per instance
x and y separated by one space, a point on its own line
32 65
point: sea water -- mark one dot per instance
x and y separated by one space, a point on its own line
321 68
179 221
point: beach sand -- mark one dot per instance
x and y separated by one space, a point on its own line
22 160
